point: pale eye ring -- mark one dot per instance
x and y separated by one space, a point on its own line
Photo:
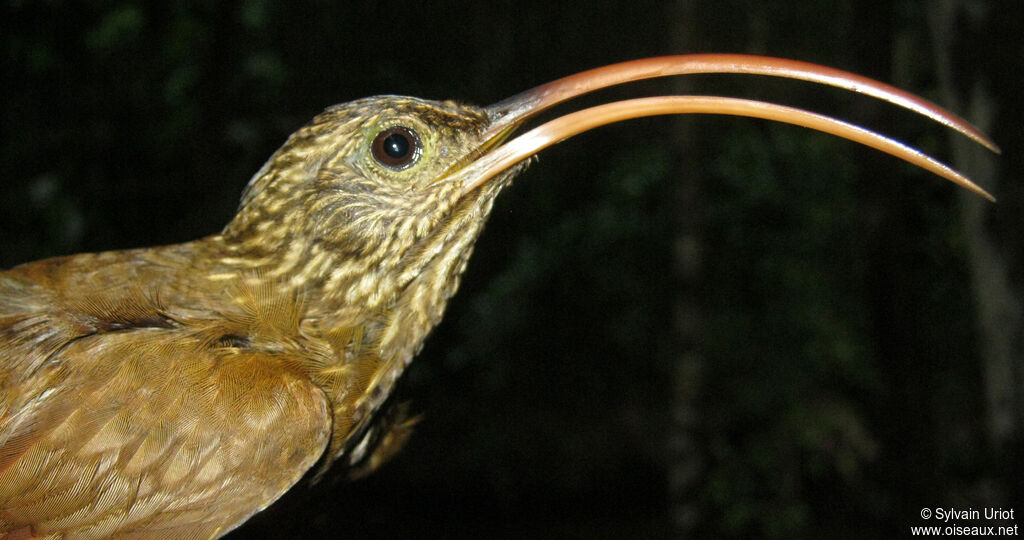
396 147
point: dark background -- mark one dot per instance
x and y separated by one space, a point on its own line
709 327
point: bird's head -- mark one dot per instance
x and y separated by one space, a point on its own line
363 177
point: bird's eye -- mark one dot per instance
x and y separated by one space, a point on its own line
396 147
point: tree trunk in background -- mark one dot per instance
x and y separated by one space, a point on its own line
687 464
999 308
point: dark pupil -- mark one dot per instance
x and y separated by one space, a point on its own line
396 145
395 148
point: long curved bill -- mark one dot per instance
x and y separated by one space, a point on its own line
495 157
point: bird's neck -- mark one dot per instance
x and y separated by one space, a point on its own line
347 277
394 295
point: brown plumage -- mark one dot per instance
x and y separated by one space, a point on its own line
176 391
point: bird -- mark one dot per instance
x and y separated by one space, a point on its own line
176 391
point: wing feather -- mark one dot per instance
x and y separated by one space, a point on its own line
153 429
